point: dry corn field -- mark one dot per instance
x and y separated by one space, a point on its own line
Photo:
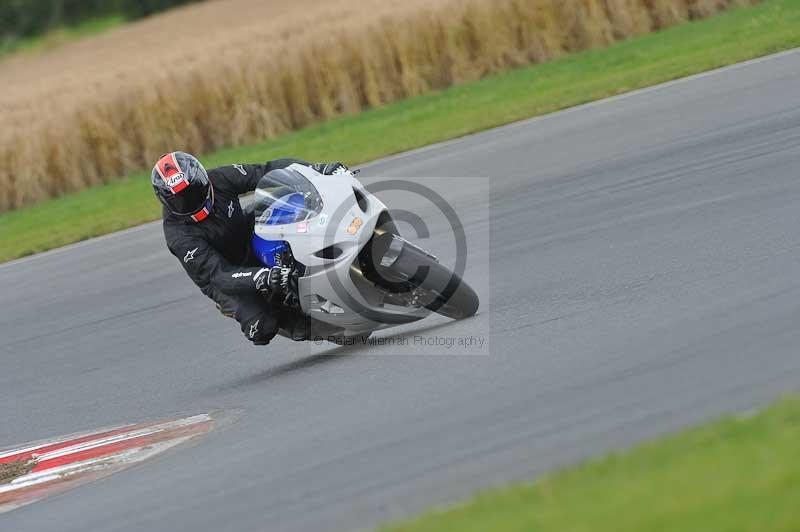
227 72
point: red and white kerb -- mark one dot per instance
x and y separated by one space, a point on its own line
54 466
170 171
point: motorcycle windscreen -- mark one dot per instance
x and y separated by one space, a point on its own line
285 197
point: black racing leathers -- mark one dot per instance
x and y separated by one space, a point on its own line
216 252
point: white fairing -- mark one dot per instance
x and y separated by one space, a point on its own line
344 306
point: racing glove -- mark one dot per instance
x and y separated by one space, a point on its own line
335 168
274 281
279 283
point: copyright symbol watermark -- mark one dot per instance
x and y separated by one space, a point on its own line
394 254
411 213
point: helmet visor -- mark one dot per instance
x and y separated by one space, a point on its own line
191 199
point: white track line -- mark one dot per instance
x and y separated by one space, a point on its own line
147 431
31 448
429 147
100 463
584 106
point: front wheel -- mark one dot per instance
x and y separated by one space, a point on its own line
434 285
459 303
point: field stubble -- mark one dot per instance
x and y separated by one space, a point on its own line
78 117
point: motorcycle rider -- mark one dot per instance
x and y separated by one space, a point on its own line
209 233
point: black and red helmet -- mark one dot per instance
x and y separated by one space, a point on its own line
182 185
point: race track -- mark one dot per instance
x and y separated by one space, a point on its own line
642 274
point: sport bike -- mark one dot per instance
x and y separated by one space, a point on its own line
352 273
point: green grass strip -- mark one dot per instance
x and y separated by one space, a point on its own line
738 474
687 49
58 36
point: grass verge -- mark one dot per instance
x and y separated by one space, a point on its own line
90 118
59 36
728 38
738 474
11 470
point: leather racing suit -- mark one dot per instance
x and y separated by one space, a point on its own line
216 252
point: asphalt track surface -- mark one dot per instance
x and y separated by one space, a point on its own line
642 274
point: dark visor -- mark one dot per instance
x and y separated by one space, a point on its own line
189 200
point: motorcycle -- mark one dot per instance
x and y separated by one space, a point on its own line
352 271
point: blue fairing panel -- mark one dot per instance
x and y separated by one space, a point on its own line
268 250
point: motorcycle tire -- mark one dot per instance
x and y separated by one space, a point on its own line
451 295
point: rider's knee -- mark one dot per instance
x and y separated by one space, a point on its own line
226 311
